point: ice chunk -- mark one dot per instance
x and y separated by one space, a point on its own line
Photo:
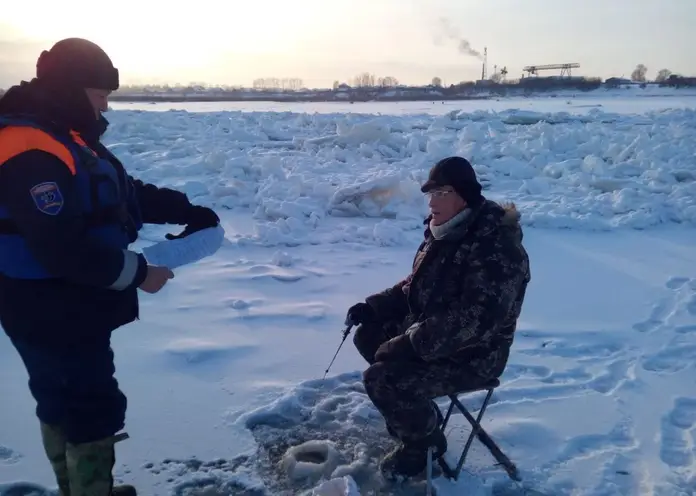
344 486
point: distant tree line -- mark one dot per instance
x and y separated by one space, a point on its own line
177 88
640 73
282 84
367 81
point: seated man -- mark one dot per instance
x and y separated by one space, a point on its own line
449 325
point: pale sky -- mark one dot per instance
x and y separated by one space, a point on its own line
319 41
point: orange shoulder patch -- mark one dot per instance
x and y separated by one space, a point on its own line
19 139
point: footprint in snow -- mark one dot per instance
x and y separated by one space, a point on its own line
622 474
691 305
518 371
620 439
675 439
198 351
281 312
8 455
673 358
676 282
615 376
669 305
25 489
685 329
679 352
262 272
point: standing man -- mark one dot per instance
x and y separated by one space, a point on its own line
68 213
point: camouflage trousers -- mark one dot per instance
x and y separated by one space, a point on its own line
402 390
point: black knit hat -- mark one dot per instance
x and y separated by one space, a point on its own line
77 63
458 173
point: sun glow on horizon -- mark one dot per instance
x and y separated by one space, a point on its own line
237 41
159 38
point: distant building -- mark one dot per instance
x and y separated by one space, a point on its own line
343 92
615 82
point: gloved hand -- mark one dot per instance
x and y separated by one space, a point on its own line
197 219
360 313
398 349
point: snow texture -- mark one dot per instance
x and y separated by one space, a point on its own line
321 208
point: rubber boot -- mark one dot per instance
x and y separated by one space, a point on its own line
410 458
90 467
436 409
54 443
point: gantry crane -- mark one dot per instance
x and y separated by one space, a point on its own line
565 68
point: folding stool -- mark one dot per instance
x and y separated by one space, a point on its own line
476 431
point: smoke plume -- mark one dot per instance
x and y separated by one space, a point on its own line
447 31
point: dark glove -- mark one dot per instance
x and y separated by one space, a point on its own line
398 349
360 313
197 219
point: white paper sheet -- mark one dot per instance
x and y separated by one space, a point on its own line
177 252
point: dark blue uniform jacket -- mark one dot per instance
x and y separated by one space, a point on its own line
76 306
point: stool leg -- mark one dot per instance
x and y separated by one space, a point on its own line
498 454
476 431
488 442
475 427
447 417
429 472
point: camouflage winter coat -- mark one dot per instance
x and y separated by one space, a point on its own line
465 293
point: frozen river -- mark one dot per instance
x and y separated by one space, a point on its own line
576 104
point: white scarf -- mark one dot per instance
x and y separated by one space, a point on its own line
442 230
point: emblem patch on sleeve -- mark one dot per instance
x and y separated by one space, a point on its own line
48 198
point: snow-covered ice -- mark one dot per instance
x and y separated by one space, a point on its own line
223 371
594 171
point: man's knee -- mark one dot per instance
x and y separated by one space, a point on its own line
406 381
373 375
45 381
361 337
400 397
96 407
384 379
75 388
364 341
368 337
94 415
